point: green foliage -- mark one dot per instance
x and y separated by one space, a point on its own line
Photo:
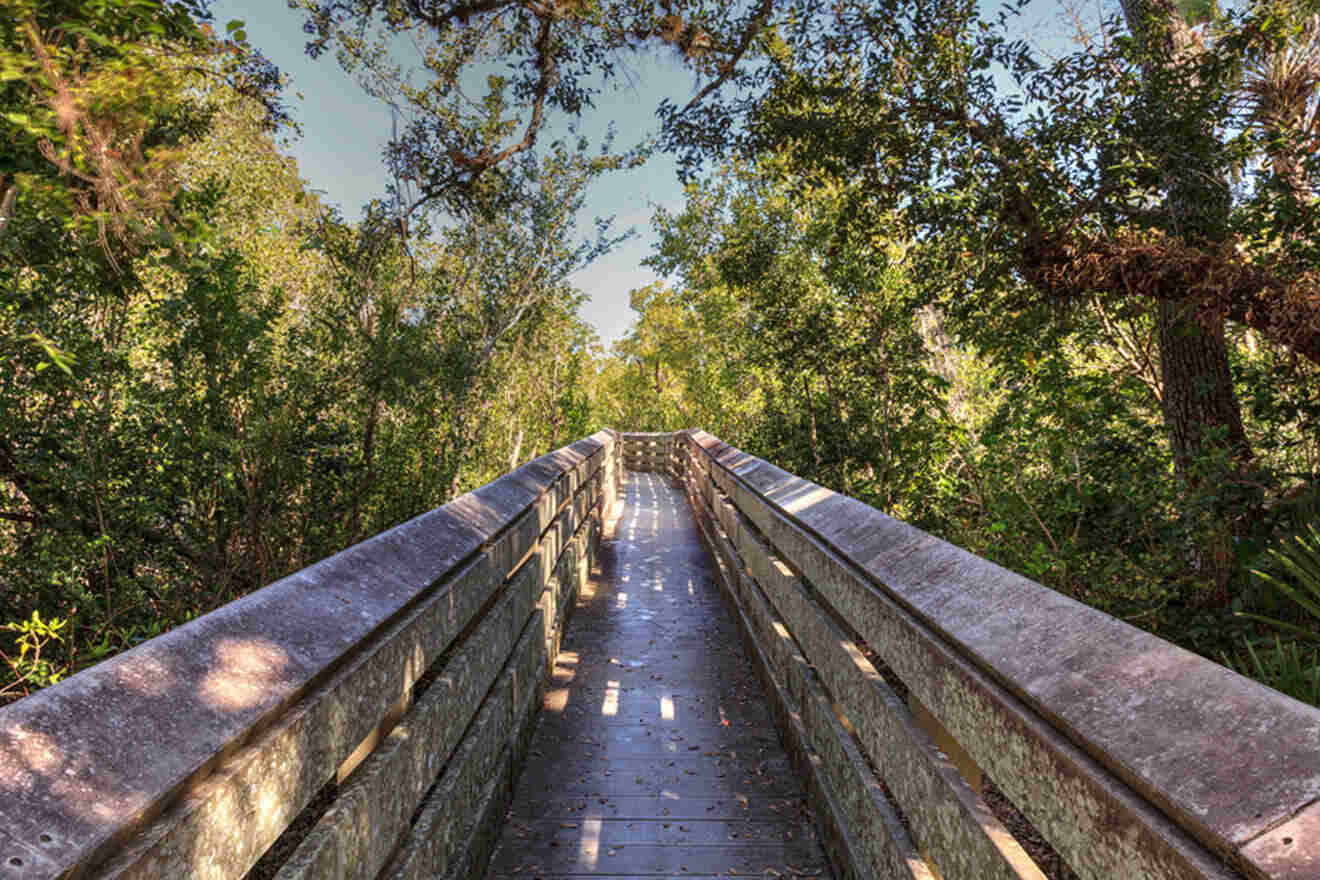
1061 216
96 114
937 277
1296 576
1284 666
1030 434
243 382
789 338
28 670
495 74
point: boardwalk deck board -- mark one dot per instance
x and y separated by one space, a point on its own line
655 754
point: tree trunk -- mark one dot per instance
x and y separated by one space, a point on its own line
1201 411
368 455
1206 436
516 453
8 196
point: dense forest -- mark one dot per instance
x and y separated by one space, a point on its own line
1059 305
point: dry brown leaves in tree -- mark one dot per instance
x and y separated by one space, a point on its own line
1220 282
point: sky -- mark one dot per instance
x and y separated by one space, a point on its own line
344 132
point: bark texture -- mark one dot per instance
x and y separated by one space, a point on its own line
1201 411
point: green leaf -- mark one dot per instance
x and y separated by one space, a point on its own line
1198 11
1293 628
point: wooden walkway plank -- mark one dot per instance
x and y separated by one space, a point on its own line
655 754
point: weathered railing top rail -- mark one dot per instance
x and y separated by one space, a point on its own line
1134 758
227 726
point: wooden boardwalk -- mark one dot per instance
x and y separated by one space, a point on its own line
655 754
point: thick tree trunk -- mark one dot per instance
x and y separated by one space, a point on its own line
1200 405
1201 412
1206 436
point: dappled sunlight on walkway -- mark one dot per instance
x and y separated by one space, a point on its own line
656 754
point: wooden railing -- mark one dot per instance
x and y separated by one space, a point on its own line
647 452
910 677
366 716
363 717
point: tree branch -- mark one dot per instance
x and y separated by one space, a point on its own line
8 195
1149 264
462 12
1159 266
549 69
728 67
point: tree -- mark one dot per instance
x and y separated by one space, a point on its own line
95 112
242 382
795 337
1097 178
539 61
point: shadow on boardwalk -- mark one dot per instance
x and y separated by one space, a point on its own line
655 753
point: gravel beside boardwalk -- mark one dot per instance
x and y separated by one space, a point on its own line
655 754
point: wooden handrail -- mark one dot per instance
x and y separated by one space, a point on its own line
903 670
1131 756
190 754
